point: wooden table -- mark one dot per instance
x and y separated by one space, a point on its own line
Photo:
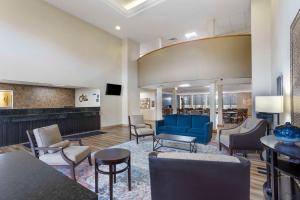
158 141
23 177
112 157
278 186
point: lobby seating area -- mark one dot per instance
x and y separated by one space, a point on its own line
198 126
149 100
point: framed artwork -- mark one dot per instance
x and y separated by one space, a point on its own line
295 70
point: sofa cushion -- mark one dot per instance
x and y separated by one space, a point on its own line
172 129
184 121
197 130
170 120
137 119
47 136
198 121
140 125
251 123
74 153
63 144
142 131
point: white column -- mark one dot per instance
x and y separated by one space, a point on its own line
130 102
158 103
220 104
174 101
212 102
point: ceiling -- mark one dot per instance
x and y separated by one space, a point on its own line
164 19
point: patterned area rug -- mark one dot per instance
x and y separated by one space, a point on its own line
140 171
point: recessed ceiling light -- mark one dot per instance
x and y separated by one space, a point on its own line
118 28
134 4
184 85
190 35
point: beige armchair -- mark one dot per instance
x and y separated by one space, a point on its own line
138 127
245 137
48 146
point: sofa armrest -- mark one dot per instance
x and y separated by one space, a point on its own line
249 140
150 125
159 123
209 130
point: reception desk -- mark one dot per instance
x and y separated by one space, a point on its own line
15 122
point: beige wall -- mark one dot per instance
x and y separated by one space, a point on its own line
222 57
42 44
28 96
261 48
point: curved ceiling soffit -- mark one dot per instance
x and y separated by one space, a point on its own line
193 41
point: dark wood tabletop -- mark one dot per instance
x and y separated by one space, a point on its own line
112 156
292 150
23 177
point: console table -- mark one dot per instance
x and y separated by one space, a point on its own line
281 172
24 177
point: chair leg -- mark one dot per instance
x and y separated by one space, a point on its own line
90 160
231 152
73 173
130 136
137 139
220 147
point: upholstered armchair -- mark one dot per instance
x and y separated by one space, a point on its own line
177 176
245 137
48 146
138 127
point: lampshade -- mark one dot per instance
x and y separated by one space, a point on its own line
269 104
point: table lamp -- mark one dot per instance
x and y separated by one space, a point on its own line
269 104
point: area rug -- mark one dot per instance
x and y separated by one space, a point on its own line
140 171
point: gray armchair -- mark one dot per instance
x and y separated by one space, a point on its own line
177 176
48 146
245 137
138 127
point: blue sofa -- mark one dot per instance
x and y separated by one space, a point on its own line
198 126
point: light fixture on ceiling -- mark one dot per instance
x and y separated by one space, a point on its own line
134 4
190 35
184 85
118 28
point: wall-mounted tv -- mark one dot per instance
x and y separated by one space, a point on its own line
113 89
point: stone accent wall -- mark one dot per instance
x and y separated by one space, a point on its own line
29 96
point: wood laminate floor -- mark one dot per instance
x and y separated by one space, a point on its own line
119 135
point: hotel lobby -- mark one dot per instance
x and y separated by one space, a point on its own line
149 99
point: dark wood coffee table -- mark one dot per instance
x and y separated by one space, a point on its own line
112 157
158 141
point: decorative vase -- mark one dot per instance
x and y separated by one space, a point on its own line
287 133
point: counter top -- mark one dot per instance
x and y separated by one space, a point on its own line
24 177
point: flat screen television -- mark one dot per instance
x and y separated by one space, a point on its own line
113 89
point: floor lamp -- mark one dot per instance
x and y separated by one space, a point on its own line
269 105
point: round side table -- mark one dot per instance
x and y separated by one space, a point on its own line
112 157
